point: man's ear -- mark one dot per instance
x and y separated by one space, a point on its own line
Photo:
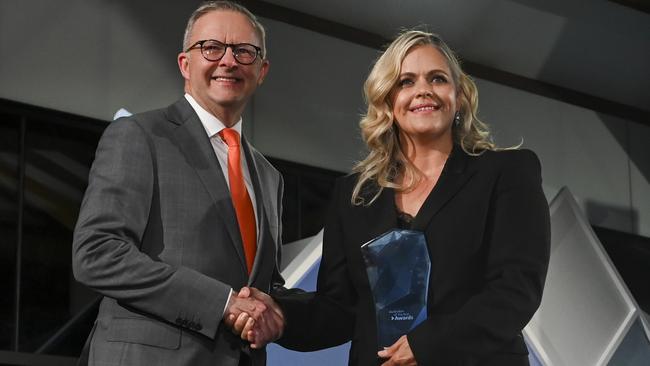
184 65
263 71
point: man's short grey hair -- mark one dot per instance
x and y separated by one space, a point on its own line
210 6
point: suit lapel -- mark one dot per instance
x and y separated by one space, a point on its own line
453 177
381 216
195 145
260 195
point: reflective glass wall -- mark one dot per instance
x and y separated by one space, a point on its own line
44 161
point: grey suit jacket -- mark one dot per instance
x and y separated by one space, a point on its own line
157 236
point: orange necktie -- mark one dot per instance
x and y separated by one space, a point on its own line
240 198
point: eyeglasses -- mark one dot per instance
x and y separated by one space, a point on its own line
244 53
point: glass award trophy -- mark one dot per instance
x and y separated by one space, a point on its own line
398 267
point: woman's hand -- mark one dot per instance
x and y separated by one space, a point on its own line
398 354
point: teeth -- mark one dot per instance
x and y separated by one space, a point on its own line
426 108
224 79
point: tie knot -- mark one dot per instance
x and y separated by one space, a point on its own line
230 137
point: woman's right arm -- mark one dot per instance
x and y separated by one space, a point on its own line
325 318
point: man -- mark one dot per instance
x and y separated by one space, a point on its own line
180 210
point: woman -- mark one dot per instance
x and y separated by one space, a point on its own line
431 166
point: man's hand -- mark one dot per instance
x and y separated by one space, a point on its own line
261 330
244 309
398 354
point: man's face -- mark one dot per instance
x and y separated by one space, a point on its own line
222 87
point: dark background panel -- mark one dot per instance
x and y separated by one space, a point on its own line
9 155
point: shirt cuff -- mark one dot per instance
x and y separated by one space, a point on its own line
227 302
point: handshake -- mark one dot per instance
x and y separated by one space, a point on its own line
254 316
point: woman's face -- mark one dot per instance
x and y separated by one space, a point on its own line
424 99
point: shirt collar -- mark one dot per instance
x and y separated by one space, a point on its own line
211 123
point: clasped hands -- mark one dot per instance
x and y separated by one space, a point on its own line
254 316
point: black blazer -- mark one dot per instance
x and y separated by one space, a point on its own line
487 228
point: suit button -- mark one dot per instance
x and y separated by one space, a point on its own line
198 326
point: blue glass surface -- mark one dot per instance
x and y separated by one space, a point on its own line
398 268
634 350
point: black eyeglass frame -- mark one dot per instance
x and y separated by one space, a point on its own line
232 46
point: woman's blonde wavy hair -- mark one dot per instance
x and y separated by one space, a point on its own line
379 131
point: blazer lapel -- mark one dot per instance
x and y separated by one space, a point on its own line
260 206
381 216
454 175
195 145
